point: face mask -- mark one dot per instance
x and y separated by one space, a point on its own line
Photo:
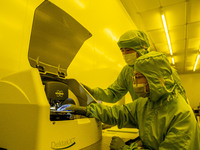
140 90
130 58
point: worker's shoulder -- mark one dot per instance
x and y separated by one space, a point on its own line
127 68
181 102
141 101
179 106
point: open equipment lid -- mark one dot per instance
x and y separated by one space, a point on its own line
56 38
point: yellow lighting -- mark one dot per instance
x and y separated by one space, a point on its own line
119 65
196 62
80 3
173 60
102 53
110 59
98 51
109 33
167 34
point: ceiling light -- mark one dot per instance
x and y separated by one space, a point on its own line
196 62
173 61
167 34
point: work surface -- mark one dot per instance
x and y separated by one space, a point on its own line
107 134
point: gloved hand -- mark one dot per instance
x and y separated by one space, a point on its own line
117 143
64 107
79 110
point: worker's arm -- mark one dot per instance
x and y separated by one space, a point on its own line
182 133
116 90
121 115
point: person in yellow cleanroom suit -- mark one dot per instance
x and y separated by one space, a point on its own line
164 119
133 44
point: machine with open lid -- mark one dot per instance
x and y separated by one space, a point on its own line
31 120
55 40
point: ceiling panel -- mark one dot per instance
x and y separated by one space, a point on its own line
193 44
194 10
175 15
170 2
177 33
190 59
193 30
152 19
144 5
135 16
179 59
158 36
178 47
183 22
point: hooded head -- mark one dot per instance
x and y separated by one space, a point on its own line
136 40
157 70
